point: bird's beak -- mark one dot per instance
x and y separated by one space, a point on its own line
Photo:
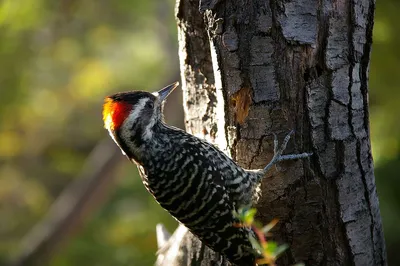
163 93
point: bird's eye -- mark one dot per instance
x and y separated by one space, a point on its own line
150 105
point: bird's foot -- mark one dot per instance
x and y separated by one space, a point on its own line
278 150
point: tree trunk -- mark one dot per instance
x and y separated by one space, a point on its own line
254 68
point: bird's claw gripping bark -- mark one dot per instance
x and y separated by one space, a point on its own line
278 150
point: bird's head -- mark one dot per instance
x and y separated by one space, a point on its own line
132 115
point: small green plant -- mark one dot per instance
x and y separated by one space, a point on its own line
269 251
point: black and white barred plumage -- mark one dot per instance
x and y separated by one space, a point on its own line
193 180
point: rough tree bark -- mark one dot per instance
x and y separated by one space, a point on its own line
253 68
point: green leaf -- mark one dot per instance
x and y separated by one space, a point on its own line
272 247
249 216
280 249
269 226
254 242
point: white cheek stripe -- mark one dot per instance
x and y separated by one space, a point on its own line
137 109
130 120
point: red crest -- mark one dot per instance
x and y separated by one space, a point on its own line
115 113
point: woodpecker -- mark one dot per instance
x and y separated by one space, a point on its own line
193 180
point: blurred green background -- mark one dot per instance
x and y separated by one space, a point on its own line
57 61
